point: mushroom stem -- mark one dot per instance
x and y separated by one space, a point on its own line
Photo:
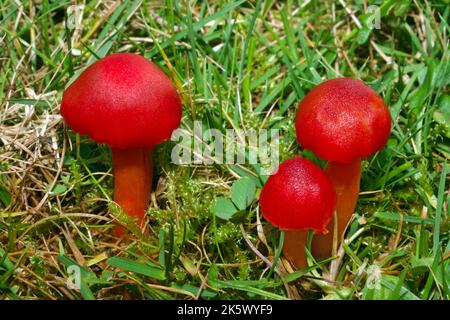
345 178
132 182
294 247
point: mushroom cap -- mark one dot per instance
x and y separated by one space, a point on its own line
298 196
343 120
123 100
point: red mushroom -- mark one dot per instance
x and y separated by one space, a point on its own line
342 120
298 197
127 102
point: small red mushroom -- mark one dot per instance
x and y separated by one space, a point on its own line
342 120
297 198
127 102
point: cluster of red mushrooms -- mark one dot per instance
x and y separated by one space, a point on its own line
342 121
127 102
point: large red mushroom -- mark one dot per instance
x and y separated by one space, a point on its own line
342 120
297 198
127 102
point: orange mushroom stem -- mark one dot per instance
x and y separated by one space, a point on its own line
132 182
345 178
294 247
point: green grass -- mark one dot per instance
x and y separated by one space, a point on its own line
237 64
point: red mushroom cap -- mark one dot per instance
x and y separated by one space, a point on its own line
343 120
298 196
123 100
